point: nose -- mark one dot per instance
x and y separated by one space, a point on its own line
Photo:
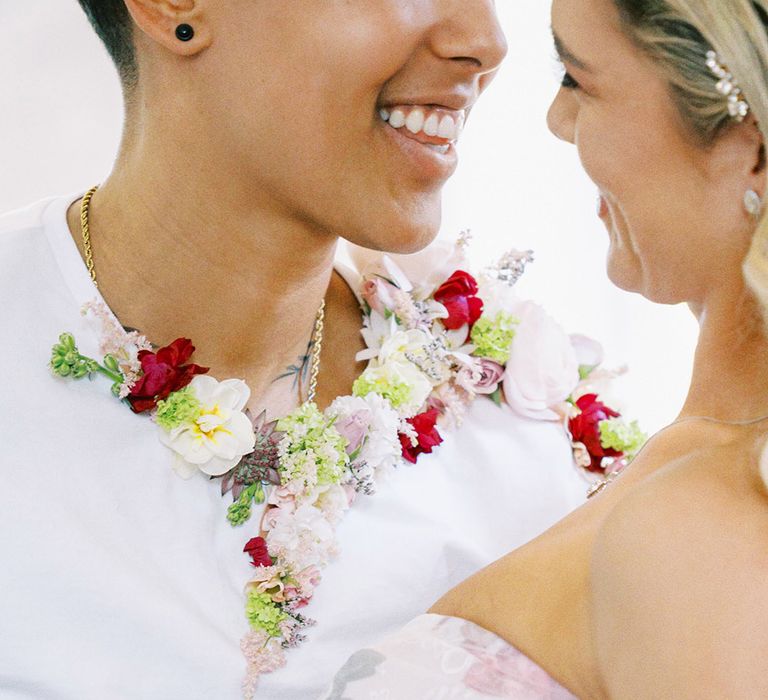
470 34
561 117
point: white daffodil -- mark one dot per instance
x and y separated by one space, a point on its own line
218 434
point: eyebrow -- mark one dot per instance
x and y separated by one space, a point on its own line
566 55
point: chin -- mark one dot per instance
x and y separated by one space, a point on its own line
402 234
623 273
633 279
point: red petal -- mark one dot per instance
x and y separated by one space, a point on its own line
475 309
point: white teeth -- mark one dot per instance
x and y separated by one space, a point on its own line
415 121
397 119
431 125
447 128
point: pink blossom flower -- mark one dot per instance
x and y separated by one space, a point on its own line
284 497
301 594
263 655
542 369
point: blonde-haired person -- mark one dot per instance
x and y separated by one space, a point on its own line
657 587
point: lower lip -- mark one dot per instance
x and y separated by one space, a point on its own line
427 163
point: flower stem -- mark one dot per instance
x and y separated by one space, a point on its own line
114 376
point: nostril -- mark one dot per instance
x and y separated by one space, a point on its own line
474 62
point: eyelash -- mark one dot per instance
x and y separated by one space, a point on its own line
568 82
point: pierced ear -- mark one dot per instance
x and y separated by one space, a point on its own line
759 170
760 166
160 20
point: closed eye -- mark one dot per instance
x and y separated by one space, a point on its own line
568 81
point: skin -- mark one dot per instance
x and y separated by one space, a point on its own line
656 588
249 151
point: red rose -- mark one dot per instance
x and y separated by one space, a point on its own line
257 550
163 372
427 435
585 428
458 295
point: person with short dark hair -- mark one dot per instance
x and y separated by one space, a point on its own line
197 287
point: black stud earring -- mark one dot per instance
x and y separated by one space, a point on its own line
184 32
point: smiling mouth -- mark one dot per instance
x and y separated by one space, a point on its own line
436 127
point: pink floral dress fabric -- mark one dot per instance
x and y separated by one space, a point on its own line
443 658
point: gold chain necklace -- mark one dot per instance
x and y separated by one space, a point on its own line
317 332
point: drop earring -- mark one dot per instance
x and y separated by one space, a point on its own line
752 203
184 32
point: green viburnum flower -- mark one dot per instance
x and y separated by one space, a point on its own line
617 434
399 381
492 338
179 408
397 393
263 613
312 450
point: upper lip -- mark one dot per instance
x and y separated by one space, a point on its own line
451 101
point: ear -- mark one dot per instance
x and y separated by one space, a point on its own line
158 19
754 144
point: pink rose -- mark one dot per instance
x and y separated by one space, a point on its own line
379 294
491 374
480 376
354 428
542 369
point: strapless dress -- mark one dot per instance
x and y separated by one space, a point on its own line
442 658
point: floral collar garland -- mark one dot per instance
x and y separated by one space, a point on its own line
433 346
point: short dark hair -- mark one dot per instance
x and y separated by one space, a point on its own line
113 24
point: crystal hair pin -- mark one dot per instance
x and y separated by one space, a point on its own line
738 107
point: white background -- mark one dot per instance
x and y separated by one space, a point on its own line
60 114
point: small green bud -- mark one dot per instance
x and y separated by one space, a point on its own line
79 371
111 363
67 341
238 513
62 369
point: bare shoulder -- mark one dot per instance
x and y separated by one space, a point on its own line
679 582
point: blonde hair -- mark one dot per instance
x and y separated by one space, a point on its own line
677 34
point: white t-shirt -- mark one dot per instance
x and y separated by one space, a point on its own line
120 580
